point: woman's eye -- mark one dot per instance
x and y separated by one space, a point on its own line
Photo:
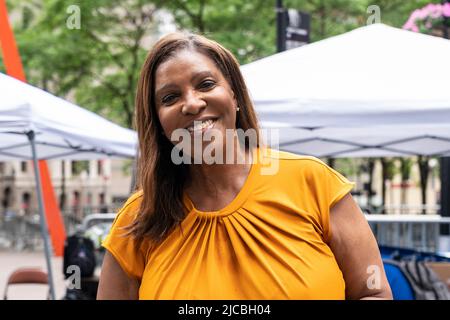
207 84
169 99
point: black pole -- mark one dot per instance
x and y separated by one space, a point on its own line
445 166
445 192
281 26
62 199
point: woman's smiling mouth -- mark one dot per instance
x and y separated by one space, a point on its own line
199 125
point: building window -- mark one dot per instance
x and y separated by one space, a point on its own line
76 199
102 203
79 166
23 166
76 205
26 201
62 201
101 197
6 197
100 167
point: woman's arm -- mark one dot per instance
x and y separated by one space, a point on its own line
357 252
114 283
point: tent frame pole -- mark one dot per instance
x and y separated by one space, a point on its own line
43 220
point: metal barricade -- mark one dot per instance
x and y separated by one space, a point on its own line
20 232
419 232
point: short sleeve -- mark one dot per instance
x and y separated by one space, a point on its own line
121 244
334 186
337 186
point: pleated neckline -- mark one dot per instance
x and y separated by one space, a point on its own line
237 202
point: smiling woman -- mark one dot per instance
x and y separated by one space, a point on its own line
229 230
195 100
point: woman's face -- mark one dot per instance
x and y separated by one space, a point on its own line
190 87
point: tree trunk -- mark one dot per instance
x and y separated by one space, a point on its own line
200 21
384 174
322 17
370 168
405 169
424 171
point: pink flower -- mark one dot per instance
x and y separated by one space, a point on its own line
429 7
421 14
415 15
446 10
408 25
436 12
430 11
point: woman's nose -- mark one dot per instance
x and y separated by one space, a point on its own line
193 104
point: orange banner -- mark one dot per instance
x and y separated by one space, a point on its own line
14 68
54 218
11 57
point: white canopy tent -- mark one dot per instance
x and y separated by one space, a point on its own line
62 129
37 125
374 91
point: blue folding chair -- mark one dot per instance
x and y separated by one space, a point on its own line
400 286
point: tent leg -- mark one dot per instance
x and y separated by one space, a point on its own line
43 221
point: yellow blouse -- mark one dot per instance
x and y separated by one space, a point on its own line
270 242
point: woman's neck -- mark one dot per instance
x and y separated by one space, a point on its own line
207 179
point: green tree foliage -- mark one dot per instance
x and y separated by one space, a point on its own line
331 18
397 12
97 64
247 28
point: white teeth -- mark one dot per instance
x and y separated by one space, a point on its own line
200 125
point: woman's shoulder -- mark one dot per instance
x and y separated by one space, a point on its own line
134 199
304 160
131 207
295 166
